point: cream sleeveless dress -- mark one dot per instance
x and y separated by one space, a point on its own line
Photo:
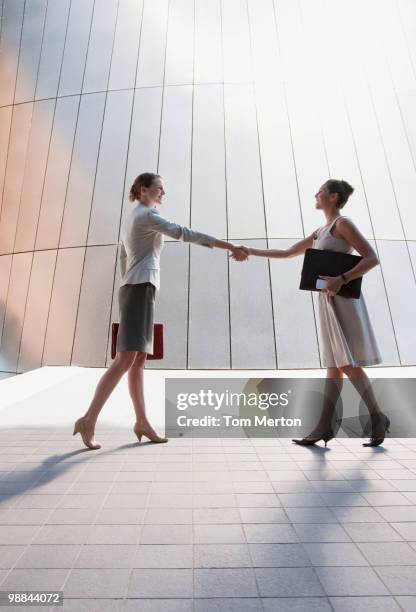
346 332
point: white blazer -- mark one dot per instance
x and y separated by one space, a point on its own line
142 238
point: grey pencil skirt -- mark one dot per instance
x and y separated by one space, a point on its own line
136 306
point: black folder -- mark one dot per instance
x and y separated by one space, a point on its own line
319 262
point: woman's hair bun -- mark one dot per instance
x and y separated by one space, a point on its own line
342 188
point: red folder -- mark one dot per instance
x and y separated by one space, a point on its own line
157 341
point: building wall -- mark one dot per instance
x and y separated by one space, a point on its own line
245 107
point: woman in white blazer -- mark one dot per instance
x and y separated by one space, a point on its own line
141 244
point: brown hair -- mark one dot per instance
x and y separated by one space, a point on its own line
143 180
342 188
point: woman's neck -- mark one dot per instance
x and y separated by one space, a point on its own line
331 216
147 203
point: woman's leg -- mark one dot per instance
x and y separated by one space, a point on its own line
136 389
333 387
105 387
324 428
362 383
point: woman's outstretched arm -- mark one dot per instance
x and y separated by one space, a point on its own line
293 251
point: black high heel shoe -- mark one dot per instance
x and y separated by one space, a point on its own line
377 440
311 440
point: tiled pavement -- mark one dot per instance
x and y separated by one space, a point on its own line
208 525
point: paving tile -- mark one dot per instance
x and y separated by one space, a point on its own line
263 515
101 475
407 603
387 498
97 583
120 516
13 534
161 583
183 487
346 581
170 516
253 487
130 488
217 516
25 516
363 486
164 556
278 555
395 514
311 515
221 555
334 554
364 604
332 486
298 486
287 582
72 516
81 501
159 605
38 501
158 500
388 553
322 532
224 583
92 605
166 534
35 580
373 532
106 556
125 501
221 534
45 556
400 580
113 534
270 534
297 604
403 485
229 604
62 534
215 501
344 499
292 475
358 515
9 555
90 488
406 530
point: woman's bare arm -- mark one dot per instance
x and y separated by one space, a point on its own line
347 230
293 251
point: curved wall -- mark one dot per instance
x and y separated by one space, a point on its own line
245 107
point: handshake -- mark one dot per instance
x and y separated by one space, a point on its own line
240 252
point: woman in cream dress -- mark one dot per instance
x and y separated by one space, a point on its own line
347 336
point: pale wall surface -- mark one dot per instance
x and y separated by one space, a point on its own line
245 108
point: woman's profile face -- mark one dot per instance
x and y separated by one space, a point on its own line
156 191
324 199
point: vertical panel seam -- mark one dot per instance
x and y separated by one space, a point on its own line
69 174
125 173
95 178
226 185
296 172
254 92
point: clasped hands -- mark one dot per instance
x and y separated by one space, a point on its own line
239 252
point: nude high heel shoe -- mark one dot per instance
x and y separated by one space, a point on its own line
79 428
153 437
